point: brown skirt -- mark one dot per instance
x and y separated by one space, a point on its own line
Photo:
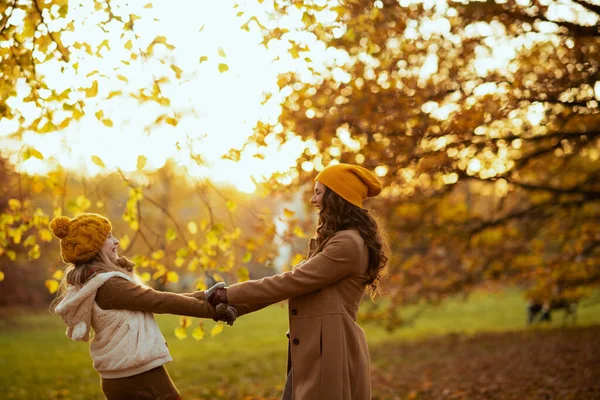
155 384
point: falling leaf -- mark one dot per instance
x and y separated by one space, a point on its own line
122 78
149 5
247 257
198 333
217 329
223 68
288 213
107 122
299 232
222 52
178 71
98 161
128 45
99 115
185 322
202 59
180 333
52 285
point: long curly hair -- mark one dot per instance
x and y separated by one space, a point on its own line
338 214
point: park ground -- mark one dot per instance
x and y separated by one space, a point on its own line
474 349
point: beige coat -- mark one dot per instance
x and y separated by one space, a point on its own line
328 350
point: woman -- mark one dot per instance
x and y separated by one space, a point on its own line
100 291
328 357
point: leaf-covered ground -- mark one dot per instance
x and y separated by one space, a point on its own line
539 364
448 353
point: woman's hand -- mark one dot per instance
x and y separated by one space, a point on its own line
226 313
217 296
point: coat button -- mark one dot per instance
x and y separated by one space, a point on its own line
294 311
296 341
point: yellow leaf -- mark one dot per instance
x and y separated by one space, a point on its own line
34 253
178 71
202 59
170 235
11 254
1 276
288 213
52 285
247 257
29 241
34 153
172 277
45 235
145 277
149 5
299 232
179 261
107 122
180 333
125 242
198 333
58 274
223 68
217 277
231 206
192 245
201 285
157 255
141 162
185 322
128 45
122 78
92 91
217 329
14 204
243 274
99 115
98 161
192 227
222 52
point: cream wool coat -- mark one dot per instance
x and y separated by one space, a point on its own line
328 349
125 342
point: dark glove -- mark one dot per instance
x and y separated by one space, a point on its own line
218 296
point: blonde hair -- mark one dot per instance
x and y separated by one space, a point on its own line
77 274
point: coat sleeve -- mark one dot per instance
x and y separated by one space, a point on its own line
244 309
121 294
339 258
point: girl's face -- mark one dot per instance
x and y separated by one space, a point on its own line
110 247
317 198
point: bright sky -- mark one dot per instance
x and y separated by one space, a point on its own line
226 106
221 108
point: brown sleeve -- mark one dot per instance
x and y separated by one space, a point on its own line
121 294
244 309
339 258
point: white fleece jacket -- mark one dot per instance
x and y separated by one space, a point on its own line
125 342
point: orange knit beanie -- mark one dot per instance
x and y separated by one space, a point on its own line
352 182
82 237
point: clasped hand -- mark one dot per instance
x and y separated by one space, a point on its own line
216 296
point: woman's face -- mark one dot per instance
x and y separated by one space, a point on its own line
319 191
110 247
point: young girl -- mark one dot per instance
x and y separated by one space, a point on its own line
101 291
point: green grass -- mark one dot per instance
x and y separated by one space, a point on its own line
37 361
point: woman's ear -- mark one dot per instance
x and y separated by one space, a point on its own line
125 263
